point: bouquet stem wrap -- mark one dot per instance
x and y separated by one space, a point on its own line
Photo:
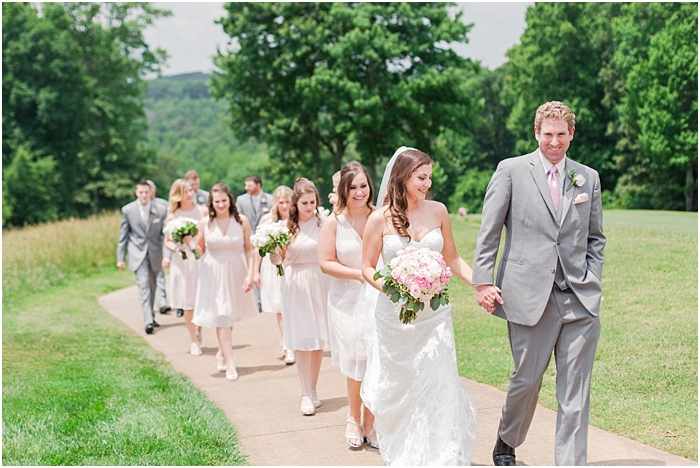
413 278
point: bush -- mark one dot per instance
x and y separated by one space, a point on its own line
470 191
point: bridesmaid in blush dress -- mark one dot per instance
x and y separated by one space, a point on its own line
184 274
340 255
224 294
268 280
305 292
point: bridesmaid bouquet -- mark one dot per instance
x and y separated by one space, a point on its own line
268 236
416 277
178 229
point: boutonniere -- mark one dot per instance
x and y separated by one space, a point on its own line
575 179
200 199
153 211
263 200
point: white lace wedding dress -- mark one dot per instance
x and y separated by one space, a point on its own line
424 415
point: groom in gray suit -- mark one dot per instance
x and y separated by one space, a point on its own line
550 277
141 233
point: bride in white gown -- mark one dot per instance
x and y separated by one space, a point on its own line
423 413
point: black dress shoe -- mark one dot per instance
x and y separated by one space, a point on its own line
156 324
503 454
165 309
180 312
149 329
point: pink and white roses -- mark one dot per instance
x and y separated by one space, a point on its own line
268 236
416 277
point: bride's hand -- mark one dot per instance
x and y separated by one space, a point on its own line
486 294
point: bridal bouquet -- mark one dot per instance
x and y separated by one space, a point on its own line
178 229
268 236
416 277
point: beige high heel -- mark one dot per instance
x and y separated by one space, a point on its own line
231 373
314 398
352 435
306 409
368 439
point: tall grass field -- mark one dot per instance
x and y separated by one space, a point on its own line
79 388
645 376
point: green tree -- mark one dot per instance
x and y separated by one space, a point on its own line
29 189
559 57
657 77
311 79
73 91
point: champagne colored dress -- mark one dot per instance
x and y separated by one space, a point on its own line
270 284
304 293
348 349
184 274
220 298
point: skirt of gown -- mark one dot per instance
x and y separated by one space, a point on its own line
270 284
348 348
424 414
183 279
304 313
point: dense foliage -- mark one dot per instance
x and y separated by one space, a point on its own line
73 127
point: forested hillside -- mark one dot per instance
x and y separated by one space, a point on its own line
187 128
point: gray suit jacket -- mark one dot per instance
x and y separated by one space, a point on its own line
244 204
518 198
201 197
144 242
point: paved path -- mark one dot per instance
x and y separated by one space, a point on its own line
263 404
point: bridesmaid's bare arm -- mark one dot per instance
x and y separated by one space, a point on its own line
327 255
372 246
249 254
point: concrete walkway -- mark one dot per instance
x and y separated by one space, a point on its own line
263 404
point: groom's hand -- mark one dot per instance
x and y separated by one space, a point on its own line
486 295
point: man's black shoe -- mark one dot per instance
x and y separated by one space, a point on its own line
156 324
165 309
503 454
180 312
149 329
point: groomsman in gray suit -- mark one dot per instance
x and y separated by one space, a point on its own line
550 276
254 204
141 233
200 196
161 299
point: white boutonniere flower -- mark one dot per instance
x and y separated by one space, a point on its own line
576 179
322 212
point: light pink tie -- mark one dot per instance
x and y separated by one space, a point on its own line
554 190
144 216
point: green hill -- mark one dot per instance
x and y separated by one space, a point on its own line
187 128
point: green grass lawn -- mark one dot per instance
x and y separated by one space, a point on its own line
645 378
79 387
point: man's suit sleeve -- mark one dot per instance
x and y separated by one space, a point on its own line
124 230
493 216
596 238
238 205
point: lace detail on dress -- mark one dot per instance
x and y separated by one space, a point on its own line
424 415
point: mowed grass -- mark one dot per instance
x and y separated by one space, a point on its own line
645 377
79 388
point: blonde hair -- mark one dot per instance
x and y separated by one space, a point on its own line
281 191
554 110
336 178
177 193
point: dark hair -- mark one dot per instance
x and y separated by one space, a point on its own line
255 178
302 186
406 163
144 182
232 210
347 175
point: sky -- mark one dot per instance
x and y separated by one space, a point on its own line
191 38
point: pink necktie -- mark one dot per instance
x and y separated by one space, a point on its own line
553 181
144 216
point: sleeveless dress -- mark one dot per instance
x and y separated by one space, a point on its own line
270 284
184 274
304 293
424 415
220 298
347 345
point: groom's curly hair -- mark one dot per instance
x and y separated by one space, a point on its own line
406 163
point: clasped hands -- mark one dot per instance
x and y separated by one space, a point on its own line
486 295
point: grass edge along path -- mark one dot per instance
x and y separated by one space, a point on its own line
80 389
645 376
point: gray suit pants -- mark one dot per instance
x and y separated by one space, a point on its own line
569 330
161 300
146 281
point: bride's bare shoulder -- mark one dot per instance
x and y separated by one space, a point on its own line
380 213
436 207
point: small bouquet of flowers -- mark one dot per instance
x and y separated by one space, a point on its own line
416 277
178 229
268 236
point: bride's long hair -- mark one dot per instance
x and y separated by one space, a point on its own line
406 163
